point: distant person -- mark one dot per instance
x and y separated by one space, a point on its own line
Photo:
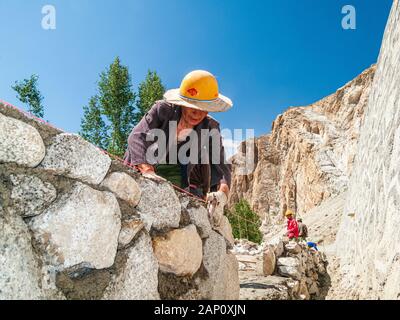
292 227
312 245
303 231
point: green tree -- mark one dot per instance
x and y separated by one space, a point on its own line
116 101
29 94
93 127
245 222
150 90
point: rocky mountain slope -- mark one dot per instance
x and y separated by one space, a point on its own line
308 156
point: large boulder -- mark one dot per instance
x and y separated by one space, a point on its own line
198 216
222 270
123 186
160 202
269 261
20 143
80 228
179 251
30 195
137 273
289 267
70 155
20 274
224 228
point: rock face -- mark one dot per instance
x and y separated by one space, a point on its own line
76 225
72 156
308 155
20 143
82 227
368 238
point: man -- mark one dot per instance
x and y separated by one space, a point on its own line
181 117
303 230
292 227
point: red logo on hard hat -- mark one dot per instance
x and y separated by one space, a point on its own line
192 92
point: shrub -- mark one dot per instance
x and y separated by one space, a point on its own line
245 222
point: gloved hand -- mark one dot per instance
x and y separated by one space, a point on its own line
216 202
153 176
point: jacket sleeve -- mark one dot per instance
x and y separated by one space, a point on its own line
223 167
137 144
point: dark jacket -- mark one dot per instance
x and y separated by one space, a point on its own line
303 231
159 117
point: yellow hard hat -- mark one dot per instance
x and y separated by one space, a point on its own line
199 90
289 213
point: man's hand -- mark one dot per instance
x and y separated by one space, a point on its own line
216 202
146 168
147 171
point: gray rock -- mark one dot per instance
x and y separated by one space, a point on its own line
20 143
30 195
179 251
222 269
160 202
130 228
137 275
230 278
20 273
292 272
147 221
293 247
224 228
279 249
199 217
72 156
81 228
288 261
269 261
123 186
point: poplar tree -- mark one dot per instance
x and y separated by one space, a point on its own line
150 90
29 94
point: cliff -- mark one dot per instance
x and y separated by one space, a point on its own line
308 156
368 238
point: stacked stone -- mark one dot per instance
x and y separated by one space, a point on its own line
77 225
305 266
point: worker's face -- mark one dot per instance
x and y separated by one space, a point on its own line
193 116
290 217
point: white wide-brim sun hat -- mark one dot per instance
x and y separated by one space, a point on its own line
199 90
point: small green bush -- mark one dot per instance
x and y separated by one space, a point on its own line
245 222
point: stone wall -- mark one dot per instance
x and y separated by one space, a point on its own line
284 270
76 224
368 239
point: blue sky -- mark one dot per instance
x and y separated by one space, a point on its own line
267 55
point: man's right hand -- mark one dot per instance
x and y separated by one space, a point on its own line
146 168
148 171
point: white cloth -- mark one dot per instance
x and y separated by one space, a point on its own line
216 203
